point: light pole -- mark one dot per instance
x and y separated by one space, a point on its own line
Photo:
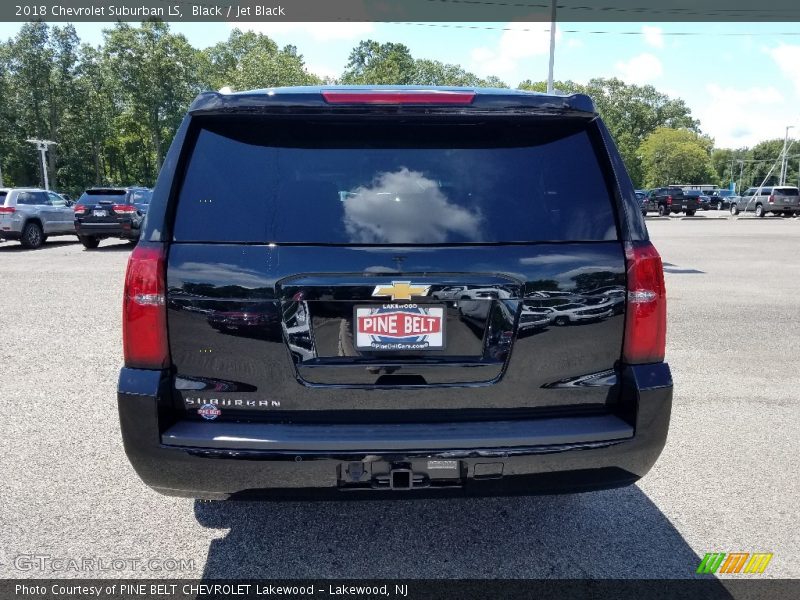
784 158
552 47
42 146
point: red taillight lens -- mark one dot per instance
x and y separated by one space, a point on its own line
124 208
7 210
79 209
772 198
646 318
144 311
669 199
398 97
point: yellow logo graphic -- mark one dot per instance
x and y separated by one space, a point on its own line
401 290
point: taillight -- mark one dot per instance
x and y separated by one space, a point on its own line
669 199
646 315
7 210
398 97
124 208
144 311
79 209
772 198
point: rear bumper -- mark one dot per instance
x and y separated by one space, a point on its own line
222 460
124 230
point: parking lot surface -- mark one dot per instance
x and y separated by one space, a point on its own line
726 482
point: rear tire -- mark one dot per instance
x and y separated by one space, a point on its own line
561 321
89 242
786 215
662 211
689 213
759 211
734 210
32 236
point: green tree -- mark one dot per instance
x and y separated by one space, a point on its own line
248 60
670 156
371 63
155 73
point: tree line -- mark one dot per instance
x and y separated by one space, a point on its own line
113 109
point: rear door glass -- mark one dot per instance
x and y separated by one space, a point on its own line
94 197
393 183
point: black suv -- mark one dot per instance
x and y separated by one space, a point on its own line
666 201
110 212
286 324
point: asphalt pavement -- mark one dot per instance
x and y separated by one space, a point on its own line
726 482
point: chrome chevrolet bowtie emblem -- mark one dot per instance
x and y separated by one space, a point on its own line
401 290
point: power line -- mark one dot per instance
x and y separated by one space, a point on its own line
546 29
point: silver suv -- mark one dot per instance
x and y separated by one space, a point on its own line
779 199
30 215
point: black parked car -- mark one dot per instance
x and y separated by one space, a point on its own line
666 201
703 200
110 212
366 381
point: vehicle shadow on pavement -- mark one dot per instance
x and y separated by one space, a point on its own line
15 246
609 534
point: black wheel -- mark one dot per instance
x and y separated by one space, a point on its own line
689 213
89 241
561 321
786 215
662 211
759 210
734 210
32 236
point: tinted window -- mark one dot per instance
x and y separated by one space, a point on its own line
786 191
141 197
393 183
56 200
32 198
95 196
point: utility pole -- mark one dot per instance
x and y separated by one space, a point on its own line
42 146
550 89
784 157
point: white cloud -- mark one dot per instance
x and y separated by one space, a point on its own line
653 36
737 117
787 58
320 32
520 41
643 68
323 71
574 43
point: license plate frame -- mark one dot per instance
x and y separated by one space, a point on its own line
434 341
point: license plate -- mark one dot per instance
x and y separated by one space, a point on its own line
99 213
393 327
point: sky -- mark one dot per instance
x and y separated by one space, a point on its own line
741 80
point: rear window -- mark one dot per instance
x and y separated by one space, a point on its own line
95 196
786 191
392 183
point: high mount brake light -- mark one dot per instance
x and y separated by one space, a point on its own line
646 320
398 97
144 311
